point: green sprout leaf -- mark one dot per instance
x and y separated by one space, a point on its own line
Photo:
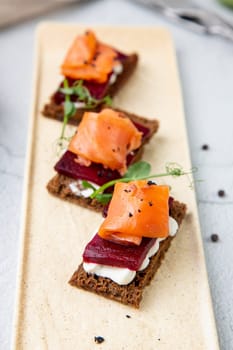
107 100
138 170
87 184
103 198
83 94
69 109
67 91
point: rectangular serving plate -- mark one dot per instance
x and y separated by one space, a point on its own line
176 311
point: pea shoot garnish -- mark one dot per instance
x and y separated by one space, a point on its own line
69 111
138 171
84 96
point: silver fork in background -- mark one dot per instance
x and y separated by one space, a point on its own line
194 17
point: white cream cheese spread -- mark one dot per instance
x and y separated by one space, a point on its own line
117 70
119 275
79 105
77 188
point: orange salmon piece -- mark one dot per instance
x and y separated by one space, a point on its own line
137 209
81 52
106 138
89 59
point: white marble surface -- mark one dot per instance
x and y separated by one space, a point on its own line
206 71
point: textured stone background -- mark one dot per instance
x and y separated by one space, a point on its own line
206 71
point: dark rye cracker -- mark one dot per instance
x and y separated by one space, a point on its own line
59 184
55 111
130 294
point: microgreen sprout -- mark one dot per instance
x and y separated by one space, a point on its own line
69 111
140 171
83 94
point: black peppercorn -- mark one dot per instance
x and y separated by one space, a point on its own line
214 237
205 147
150 183
221 193
99 173
99 339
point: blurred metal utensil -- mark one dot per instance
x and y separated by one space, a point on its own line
194 17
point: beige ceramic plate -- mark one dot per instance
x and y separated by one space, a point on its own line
176 311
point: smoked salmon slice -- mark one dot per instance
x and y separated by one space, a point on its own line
137 209
106 138
82 50
88 59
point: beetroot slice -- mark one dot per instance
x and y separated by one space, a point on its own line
97 90
104 252
95 172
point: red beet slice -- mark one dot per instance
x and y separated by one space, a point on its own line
101 251
95 172
96 90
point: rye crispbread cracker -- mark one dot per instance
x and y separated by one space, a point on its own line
130 294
